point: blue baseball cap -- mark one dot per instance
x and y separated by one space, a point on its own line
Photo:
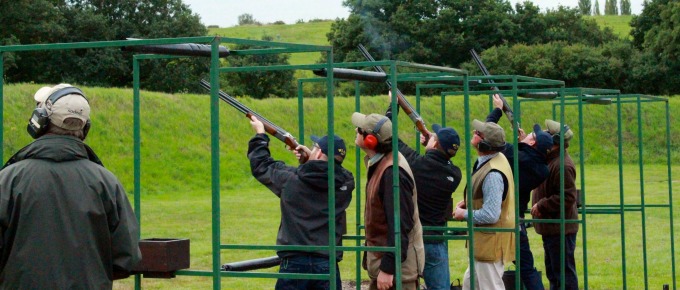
448 138
339 146
543 140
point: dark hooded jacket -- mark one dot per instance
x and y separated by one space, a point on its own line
303 194
533 166
436 180
65 220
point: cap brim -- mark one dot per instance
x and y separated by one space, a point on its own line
315 138
42 94
436 127
359 120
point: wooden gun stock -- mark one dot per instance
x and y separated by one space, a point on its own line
401 101
269 127
506 106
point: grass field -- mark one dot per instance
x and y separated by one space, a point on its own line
620 24
175 174
175 185
250 216
307 33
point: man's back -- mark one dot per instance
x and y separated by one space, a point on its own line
66 221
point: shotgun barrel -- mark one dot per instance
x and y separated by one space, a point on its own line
269 126
403 103
506 106
353 74
183 49
254 264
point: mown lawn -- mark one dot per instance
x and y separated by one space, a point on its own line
251 215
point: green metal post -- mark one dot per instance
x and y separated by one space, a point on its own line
621 194
2 105
642 192
515 177
395 179
215 159
301 116
670 189
332 270
468 175
583 191
137 153
417 137
562 212
443 104
357 188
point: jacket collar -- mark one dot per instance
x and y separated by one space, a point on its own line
57 148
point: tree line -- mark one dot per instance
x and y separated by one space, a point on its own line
558 44
58 21
521 39
610 7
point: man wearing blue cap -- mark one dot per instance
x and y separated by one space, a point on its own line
303 193
436 179
533 170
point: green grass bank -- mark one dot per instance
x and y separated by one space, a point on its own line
175 173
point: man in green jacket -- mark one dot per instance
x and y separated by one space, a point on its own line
65 221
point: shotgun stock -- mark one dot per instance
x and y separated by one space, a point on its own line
506 106
403 103
269 127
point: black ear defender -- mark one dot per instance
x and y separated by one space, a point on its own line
484 146
371 140
556 137
40 120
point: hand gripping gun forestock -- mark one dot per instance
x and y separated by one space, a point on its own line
408 109
506 107
269 127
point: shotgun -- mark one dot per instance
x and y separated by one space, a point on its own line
506 106
269 127
408 109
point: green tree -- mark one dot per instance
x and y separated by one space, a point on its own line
584 6
649 18
660 62
596 9
625 7
576 64
40 21
442 32
610 7
247 19
259 84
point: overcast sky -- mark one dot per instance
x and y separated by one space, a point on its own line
225 12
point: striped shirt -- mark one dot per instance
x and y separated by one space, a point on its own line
493 196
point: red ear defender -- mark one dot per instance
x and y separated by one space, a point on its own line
370 141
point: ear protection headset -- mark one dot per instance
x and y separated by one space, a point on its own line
40 120
371 140
484 146
556 137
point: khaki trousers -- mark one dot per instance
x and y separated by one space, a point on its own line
489 276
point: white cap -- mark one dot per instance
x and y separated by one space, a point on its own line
69 106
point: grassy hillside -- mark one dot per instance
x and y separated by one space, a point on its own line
620 24
176 130
176 183
307 33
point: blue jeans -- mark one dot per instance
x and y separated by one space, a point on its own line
530 277
307 265
436 270
551 245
